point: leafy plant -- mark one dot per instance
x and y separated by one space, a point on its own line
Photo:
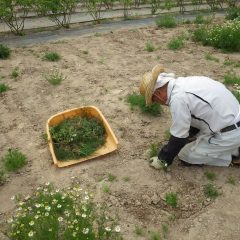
136 100
126 179
171 199
77 137
55 78
233 13
51 56
155 236
167 21
210 175
231 180
176 43
15 73
210 57
62 215
106 189
232 78
232 63
149 47
9 13
154 6
3 87
200 19
210 191
14 160
5 51
165 230
168 4
94 9
126 5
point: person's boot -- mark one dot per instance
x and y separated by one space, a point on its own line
236 159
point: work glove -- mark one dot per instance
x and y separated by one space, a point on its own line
157 163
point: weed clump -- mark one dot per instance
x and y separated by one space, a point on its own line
14 160
149 47
210 191
171 199
55 78
167 21
51 56
232 78
77 137
136 100
4 51
3 87
176 43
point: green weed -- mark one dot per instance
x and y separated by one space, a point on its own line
3 87
233 13
200 19
210 191
51 56
62 214
5 51
155 236
139 231
232 78
126 179
171 199
232 63
14 160
111 177
231 180
210 57
55 78
106 189
167 21
153 151
176 43
15 73
210 175
136 100
77 137
149 47
2 177
85 52
165 230
236 93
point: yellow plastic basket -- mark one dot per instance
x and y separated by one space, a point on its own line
110 145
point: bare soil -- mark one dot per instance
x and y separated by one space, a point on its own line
101 70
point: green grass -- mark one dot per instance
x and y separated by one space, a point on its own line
14 160
236 94
55 78
126 179
232 78
165 230
210 57
111 177
2 177
15 73
200 19
155 236
149 47
167 21
77 137
5 51
231 180
232 63
106 189
210 175
51 57
210 191
171 199
136 100
3 87
176 43
153 150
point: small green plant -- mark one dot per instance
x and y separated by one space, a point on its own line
210 57
51 56
55 78
149 47
14 160
3 87
176 43
231 180
155 236
167 21
111 177
199 19
126 179
210 191
2 177
232 63
153 151
62 214
210 175
85 52
106 189
171 199
5 51
15 73
236 93
136 100
77 137
139 231
165 230
233 13
232 78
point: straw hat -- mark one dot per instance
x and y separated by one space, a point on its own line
148 83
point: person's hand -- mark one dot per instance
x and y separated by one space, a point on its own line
157 163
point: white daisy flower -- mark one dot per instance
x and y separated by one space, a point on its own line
30 234
85 230
117 229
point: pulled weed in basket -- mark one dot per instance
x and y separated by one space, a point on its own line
77 137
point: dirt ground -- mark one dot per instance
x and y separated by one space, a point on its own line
101 70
